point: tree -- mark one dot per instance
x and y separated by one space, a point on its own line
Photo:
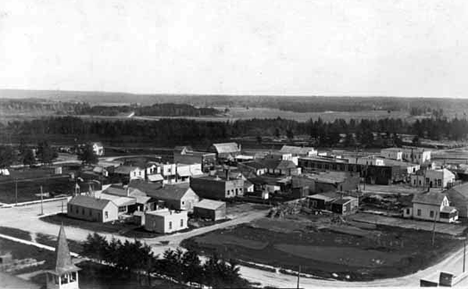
416 140
87 155
7 156
289 133
259 139
45 153
28 157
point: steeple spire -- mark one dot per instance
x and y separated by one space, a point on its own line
63 261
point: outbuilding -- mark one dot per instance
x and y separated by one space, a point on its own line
210 209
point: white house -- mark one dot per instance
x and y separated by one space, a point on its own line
392 153
441 178
130 172
298 151
98 148
431 206
166 221
369 160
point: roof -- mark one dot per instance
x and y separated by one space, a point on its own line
327 197
296 150
342 201
165 212
155 178
170 192
326 177
117 191
125 169
278 164
448 209
430 198
254 164
89 202
230 147
63 261
460 189
118 200
209 204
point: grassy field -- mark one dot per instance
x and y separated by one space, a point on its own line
353 253
29 189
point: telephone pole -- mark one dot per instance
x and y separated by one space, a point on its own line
298 277
42 198
433 229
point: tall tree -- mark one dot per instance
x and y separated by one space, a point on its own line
45 153
7 156
87 155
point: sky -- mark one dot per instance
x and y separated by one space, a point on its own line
416 48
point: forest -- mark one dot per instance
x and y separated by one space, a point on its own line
171 132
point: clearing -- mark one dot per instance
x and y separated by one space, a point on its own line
329 247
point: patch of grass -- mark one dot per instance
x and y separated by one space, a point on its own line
17 233
60 218
49 240
23 251
27 189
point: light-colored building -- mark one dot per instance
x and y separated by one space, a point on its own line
392 153
431 206
92 209
416 155
298 151
368 160
226 151
177 197
186 155
210 209
441 178
98 148
458 197
166 221
128 173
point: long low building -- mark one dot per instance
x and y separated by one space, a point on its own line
210 209
92 209
382 175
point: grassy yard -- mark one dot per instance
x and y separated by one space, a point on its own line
29 190
353 253
17 233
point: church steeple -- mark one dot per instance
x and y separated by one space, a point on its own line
65 273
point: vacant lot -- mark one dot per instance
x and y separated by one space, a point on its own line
29 189
328 249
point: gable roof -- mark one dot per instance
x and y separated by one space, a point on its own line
209 204
118 200
254 164
229 147
430 198
296 150
278 164
460 189
125 169
89 202
170 192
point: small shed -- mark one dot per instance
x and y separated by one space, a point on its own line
210 209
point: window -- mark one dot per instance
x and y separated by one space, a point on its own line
170 225
419 212
181 223
414 182
89 212
439 182
431 214
106 214
407 211
183 203
122 209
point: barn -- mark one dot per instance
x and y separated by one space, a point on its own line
210 209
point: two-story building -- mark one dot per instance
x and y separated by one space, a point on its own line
441 178
186 155
166 221
216 187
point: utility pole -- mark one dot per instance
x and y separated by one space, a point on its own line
433 229
464 254
298 276
42 198
16 191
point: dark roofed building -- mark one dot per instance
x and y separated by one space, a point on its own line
215 187
280 167
178 197
327 182
186 155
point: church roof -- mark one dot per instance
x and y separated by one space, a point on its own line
63 261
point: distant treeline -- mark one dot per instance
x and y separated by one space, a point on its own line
159 109
415 105
169 132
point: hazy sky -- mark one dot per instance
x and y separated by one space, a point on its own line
295 47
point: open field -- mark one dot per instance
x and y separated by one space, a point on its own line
326 249
29 189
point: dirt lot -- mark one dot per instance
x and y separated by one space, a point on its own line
324 247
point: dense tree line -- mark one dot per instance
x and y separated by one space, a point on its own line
158 109
186 267
169 132
26 155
